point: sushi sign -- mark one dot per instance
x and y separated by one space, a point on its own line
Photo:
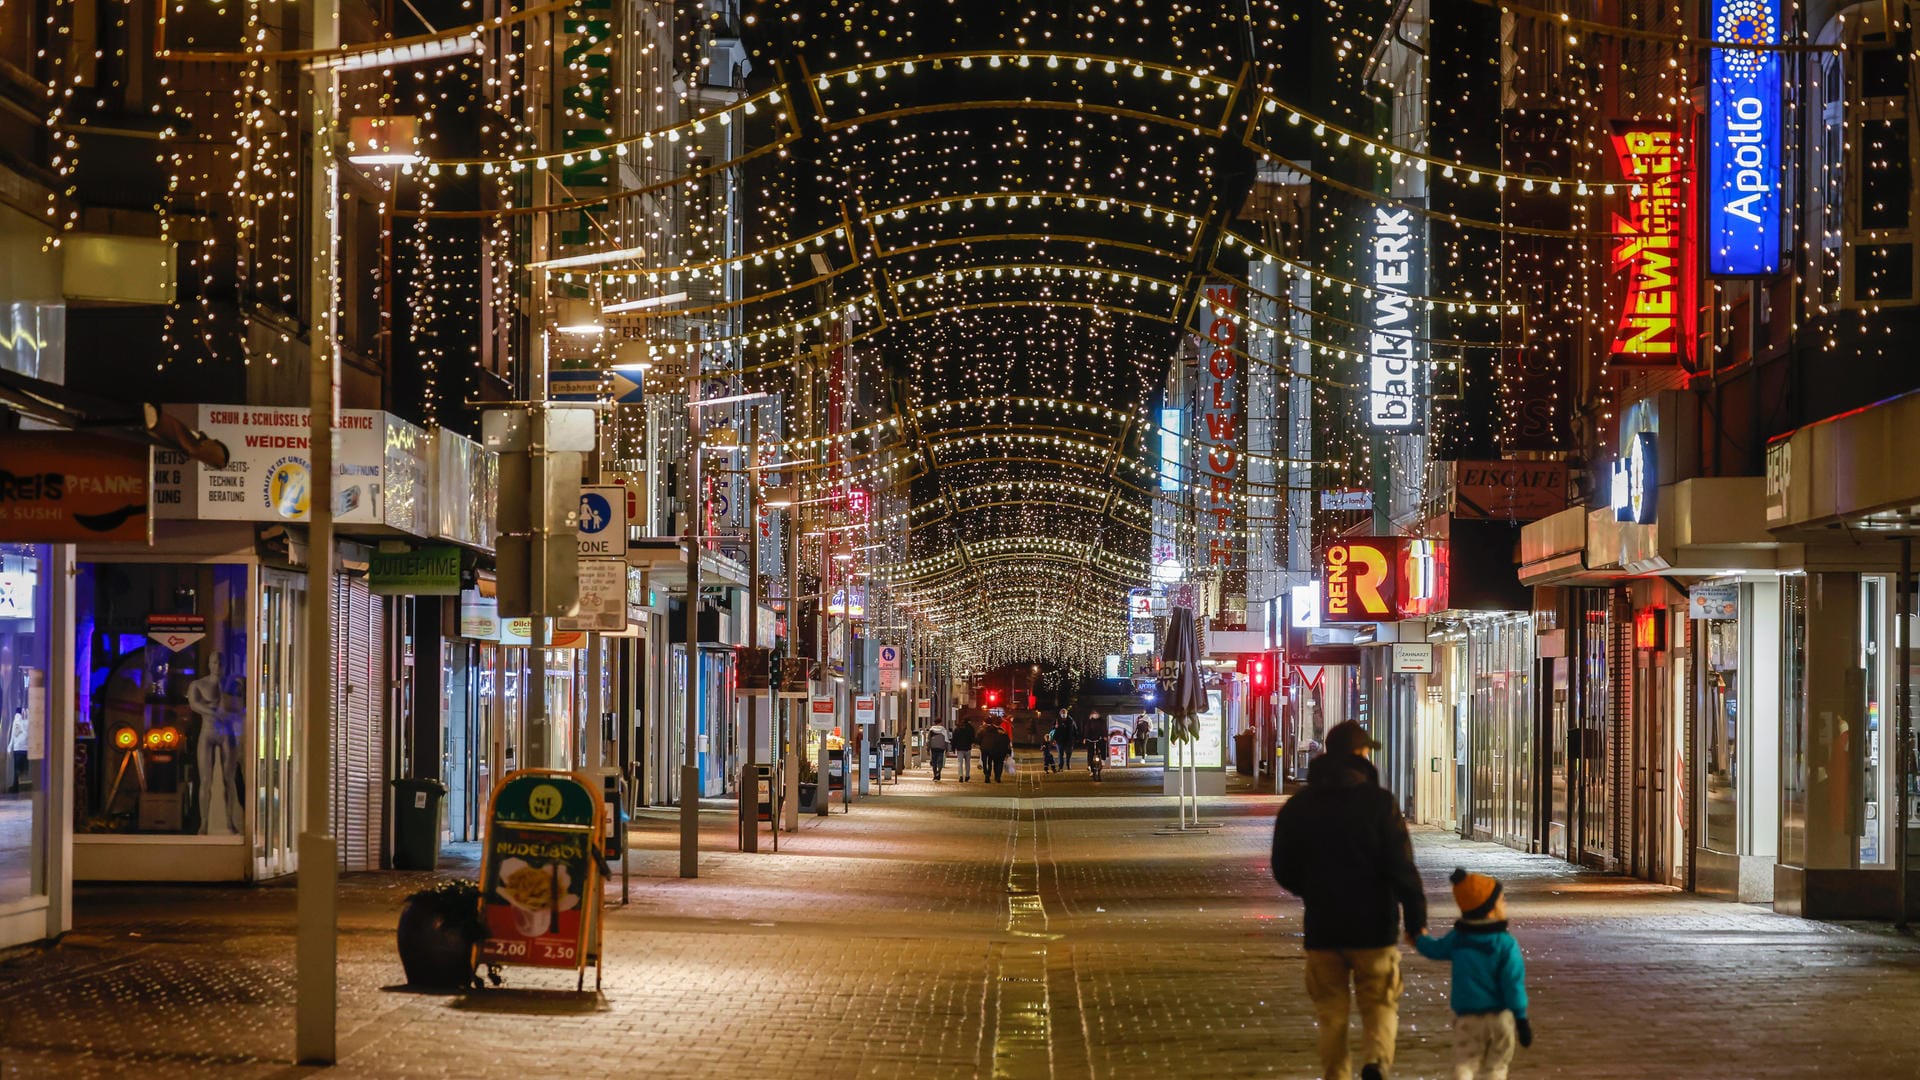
540 886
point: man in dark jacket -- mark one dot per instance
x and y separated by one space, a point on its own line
1066 735
1342 847
962 741
994 745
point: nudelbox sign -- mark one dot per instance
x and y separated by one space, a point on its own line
539 877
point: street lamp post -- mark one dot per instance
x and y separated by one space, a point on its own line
690 764
750 771
316 945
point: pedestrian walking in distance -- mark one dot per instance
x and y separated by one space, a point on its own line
1066 734
1342 847
1046 750
1489 995
962 742
937 749
994 748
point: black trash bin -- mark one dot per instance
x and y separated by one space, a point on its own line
416 823
1243 752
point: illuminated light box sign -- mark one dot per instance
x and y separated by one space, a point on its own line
1218 429
1653 247
1394 380
1743 141
1383 579
1636 479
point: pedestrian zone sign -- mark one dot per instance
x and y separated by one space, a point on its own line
603 522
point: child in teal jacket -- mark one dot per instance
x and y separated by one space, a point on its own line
1489 979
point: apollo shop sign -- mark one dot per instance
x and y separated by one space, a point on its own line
1383 579
1743 141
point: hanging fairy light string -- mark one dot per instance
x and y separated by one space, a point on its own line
1008 236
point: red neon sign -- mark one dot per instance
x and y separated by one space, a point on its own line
1650 629
1653 246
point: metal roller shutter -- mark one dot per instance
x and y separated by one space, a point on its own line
358 700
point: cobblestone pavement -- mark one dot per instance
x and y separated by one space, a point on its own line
1048 926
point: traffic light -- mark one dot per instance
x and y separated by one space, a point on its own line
993 697
1259 672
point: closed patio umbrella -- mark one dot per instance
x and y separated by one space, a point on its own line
1184 700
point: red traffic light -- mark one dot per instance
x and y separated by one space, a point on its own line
993 697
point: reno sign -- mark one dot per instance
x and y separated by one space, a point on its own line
1382 579
1743 141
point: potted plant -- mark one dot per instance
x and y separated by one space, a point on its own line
439 934
809 775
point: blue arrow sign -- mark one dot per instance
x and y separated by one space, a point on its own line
574 385
626 388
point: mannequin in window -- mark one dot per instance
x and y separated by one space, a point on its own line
217 703
17 748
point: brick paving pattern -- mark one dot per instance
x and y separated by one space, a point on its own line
1046 926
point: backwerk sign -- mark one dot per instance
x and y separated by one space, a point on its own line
1393 351
1743 141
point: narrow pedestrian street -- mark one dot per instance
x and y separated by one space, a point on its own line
1043 927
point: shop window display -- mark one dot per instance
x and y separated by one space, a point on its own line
23 719
160 664
1722 734
1793 720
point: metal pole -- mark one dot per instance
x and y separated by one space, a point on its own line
790 810
823 790
750 771
539 726
316 944
1903 766
690 764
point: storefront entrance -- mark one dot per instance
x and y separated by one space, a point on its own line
282 697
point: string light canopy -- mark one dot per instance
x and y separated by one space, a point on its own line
972 237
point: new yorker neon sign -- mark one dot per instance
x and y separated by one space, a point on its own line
1743 141
1653 247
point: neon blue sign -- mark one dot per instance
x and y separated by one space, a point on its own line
1743 141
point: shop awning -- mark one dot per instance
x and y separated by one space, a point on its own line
1855 471
665 561
52 403
1703 526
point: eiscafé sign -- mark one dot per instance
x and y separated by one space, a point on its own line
1382 579
1509 490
